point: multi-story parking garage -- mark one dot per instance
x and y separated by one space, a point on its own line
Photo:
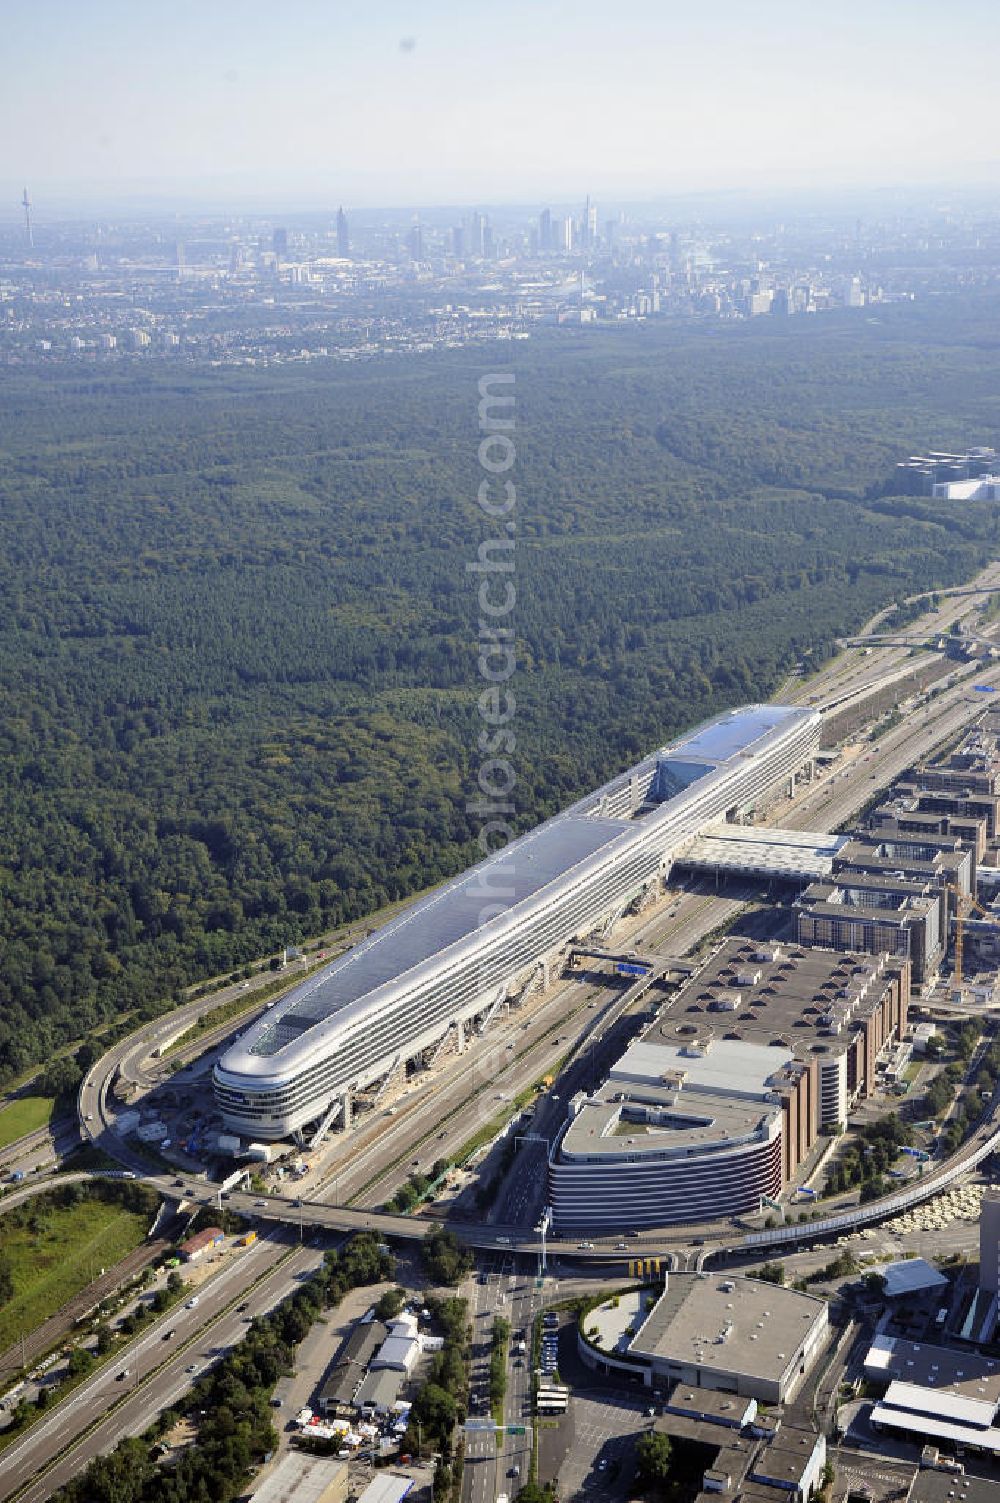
457 953
726 1093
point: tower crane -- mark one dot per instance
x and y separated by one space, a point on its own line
965 905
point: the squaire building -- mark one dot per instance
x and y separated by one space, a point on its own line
453 955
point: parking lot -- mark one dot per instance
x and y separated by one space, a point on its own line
588 1451
598 1438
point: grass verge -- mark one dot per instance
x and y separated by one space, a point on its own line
54 1251
23 1115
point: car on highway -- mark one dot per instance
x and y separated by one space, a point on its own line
192 1302
192 1367
167 1334
120 1377
260 1202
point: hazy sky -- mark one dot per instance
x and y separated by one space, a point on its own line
441 101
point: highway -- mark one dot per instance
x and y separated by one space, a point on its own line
848 671
103 1409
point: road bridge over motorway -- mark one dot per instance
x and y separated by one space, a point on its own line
662 964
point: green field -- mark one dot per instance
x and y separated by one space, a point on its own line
24 1115
56 1251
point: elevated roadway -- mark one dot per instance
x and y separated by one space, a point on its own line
849 679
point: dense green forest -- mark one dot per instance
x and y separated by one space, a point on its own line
238 640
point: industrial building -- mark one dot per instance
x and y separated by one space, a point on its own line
757 1457
911 1276
387 1487
458 954
725 1094
983 488
938 1486
299 1478
735 1335
923 1414
963 1374
339 1392
197 1246
378 1391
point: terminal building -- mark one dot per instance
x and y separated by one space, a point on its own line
725 1094
455 956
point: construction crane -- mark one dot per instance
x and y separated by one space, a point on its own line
965 904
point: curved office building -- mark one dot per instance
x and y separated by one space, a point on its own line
454 954
676 1134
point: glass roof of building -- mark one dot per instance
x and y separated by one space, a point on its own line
505 880
734 734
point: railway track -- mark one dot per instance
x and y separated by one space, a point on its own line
44 1337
